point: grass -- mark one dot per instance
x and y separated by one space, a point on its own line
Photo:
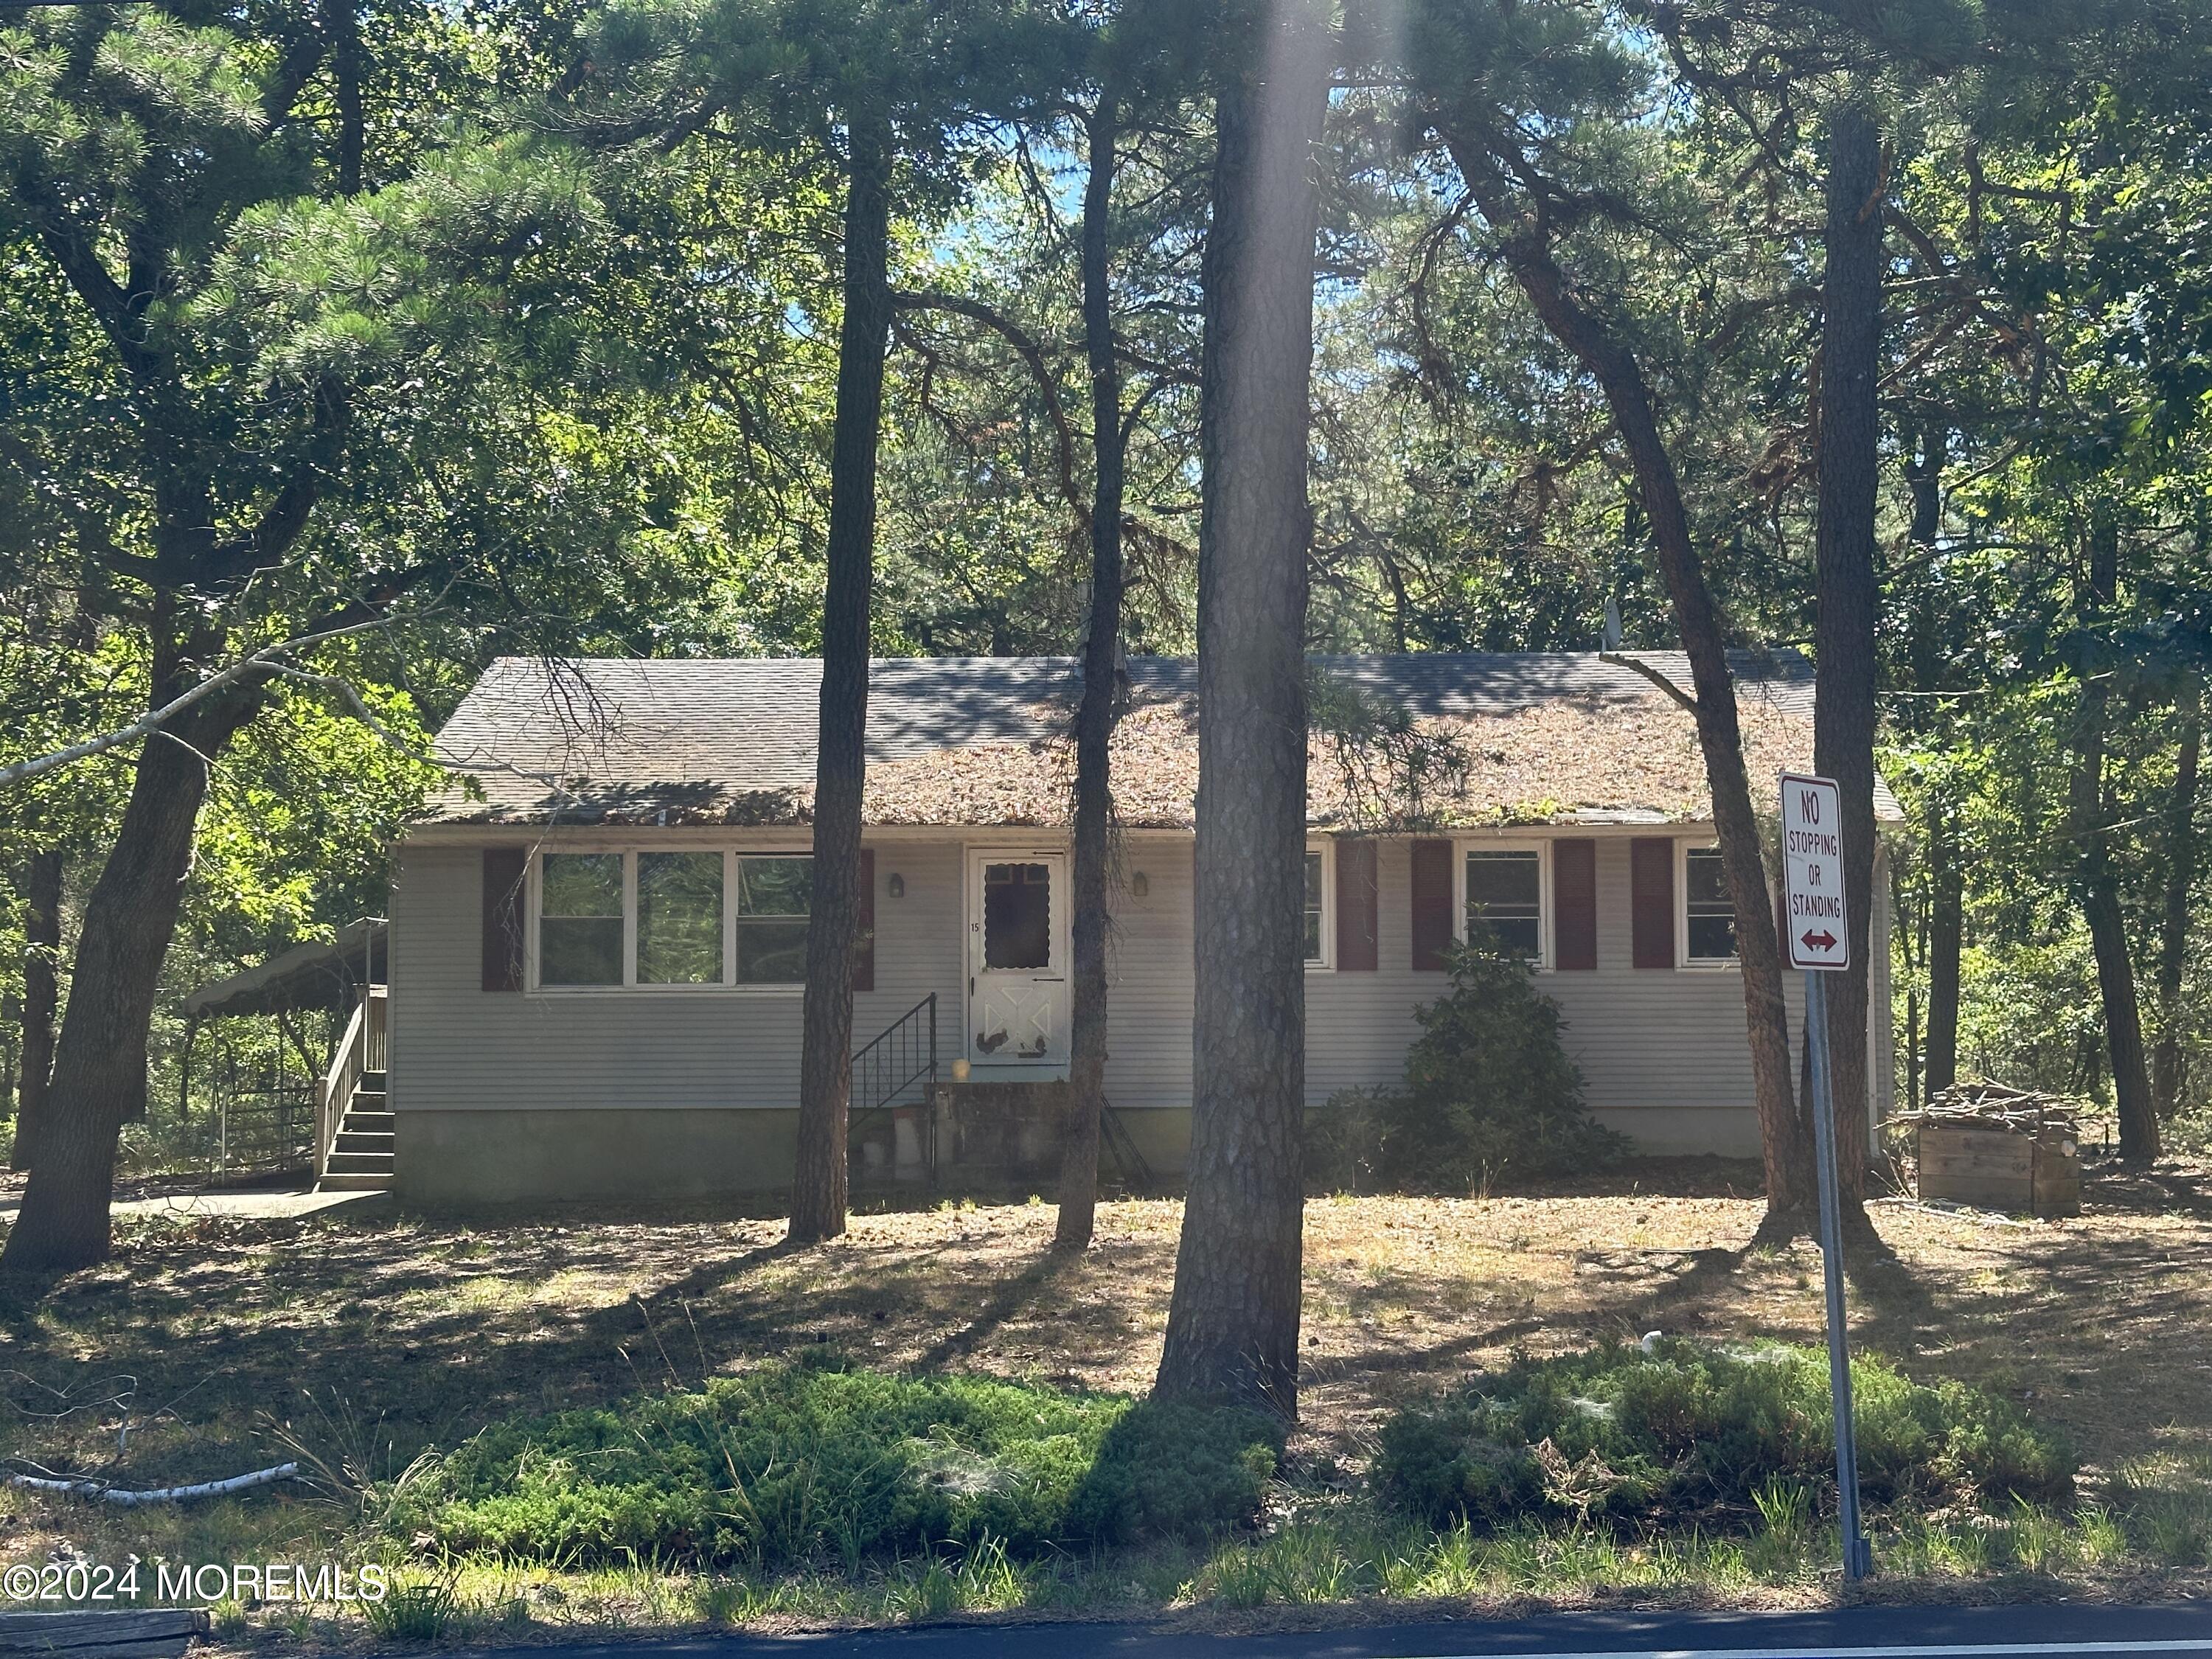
1667 1432
795 1462
225 1345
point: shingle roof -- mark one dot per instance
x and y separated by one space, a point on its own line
963 741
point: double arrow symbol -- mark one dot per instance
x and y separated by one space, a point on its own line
1822 941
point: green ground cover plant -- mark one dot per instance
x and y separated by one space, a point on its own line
376 1349
799 1462
1671 1430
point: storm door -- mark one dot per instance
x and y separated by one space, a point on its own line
1018 959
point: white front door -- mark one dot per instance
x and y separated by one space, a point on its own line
1018 959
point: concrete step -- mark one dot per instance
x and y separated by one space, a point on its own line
336 1182
375 1163
367 1142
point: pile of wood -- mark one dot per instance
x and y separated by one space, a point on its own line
1985 1105
2005 1149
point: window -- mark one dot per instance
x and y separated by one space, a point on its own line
1317 908
665 921
1506 893
1708 916
679 918
775 897
580 930
1016 916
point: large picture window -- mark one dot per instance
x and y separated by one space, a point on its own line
670 919
1504 892
1708 915
679 918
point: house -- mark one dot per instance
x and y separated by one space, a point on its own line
597 932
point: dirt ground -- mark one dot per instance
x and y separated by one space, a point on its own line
401 1331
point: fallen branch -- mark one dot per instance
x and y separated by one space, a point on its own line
1649 671
125 1499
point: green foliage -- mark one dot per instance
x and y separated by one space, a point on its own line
412 1612
1489 1093
1622 1434
794 1462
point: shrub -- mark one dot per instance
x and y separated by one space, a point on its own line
1488 1091
1172 1470
1628 1435
791 1463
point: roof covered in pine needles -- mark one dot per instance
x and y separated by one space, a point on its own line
1408 742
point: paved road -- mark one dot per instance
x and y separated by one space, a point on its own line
2044 1631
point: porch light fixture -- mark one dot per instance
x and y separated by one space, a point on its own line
897 886
1140 884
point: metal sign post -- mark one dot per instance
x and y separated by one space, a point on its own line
1819 943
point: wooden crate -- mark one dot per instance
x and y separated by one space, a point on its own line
1999 1169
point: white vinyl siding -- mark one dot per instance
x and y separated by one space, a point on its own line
458 1047
1663 1055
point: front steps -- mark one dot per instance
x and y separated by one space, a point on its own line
361 1155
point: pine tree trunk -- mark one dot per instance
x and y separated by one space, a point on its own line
825 1067
1094 718
2180 878
99 1064
1844 639
40 885
1233 1323
2097 881
1947 904
1946 898
1785 1141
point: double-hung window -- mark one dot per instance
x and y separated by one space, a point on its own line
1318 917
1503 890
660 920
775 896
580 918
1708 915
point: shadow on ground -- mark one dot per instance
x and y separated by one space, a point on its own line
429 1326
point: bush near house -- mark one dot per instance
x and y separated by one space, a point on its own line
1679 1430
794 1463
1489 1094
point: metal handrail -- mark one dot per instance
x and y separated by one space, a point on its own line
886 1067
895 1058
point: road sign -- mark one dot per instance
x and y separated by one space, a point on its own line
1821 940
1813 873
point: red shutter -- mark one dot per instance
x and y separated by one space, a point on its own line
1651 901
503 869
1432 905
1574 901
864 952
1356 930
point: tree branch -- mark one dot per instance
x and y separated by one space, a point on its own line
1032 354
250 669
1637 666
